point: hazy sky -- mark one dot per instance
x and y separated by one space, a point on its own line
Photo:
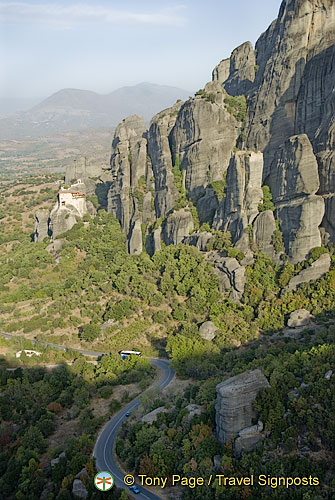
105 44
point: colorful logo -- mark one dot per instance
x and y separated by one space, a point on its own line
103 481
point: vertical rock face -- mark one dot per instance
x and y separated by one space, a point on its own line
263 228
161 159
70 207
235 396
41 228
128 164
242 70
203 138
239 207
135 240
221 71
83 169
177 226
304 28
294 182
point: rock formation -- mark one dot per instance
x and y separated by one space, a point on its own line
70 207
239 207
298 318
230 273
235 396
286 141
177 226
294 183
41 228
208 330
320 267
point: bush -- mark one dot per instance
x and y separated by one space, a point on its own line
90 332
237 106
266 203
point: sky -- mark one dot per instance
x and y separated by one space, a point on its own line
102 45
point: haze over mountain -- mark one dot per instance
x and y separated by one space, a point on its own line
72 109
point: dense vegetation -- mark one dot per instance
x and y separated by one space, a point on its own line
35 402
91 293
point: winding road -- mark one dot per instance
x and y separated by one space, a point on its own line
103 449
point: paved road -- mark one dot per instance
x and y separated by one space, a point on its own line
103 449
93 354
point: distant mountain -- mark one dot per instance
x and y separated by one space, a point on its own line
73 109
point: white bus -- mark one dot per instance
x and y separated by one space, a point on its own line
125 354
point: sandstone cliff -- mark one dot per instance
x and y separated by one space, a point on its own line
267 118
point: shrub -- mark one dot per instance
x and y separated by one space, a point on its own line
90 332
237 106
266 203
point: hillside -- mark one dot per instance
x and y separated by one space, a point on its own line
73 109
209 239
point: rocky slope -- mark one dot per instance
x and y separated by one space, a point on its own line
266 119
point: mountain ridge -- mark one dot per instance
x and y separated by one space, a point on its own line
71 109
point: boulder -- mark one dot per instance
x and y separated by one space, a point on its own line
235 397
319 267
79 490
246 443
298 318
208 330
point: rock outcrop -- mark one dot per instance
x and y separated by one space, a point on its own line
242 70
208 330
151 417
160 155
70 207
263 228
41 228
230 273
128 164
294 183
177 226
320 267
235 396
298 318
248 439
203 138
198 239
79 489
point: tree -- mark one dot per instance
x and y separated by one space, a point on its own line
90 332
